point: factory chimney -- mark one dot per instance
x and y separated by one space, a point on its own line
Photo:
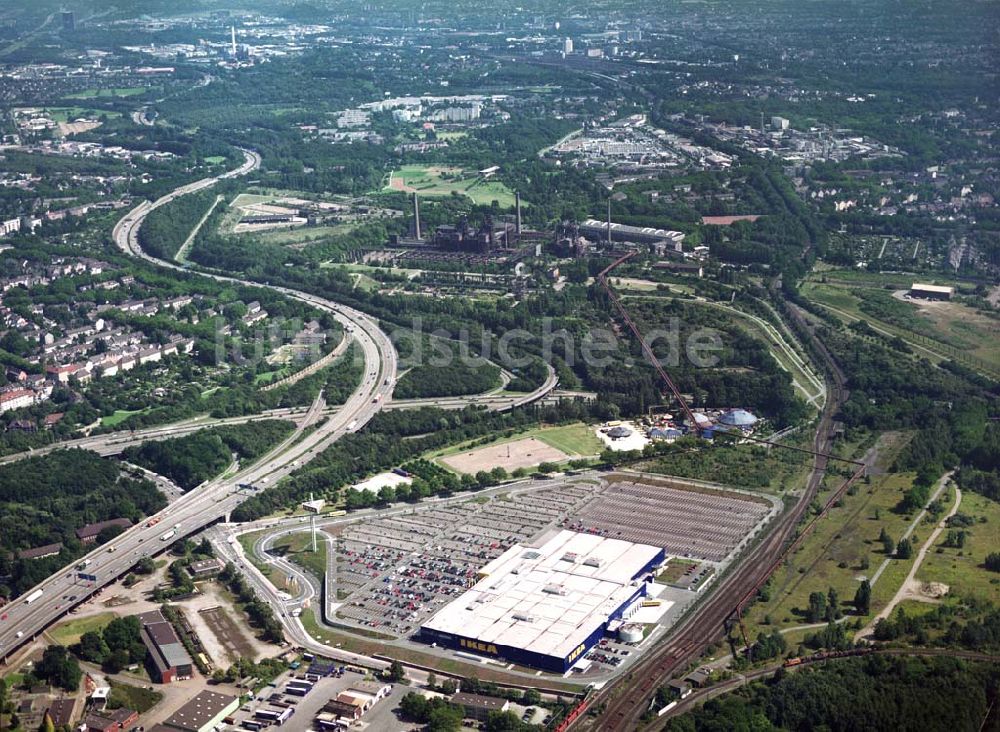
416 217
233 29
517 203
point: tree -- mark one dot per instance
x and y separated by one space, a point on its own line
445 718
116 661
904 550
396 672
888 545
497 721
109 533
817 607
47 724
768 646
863 598
993 562
832 605
59 668
93 648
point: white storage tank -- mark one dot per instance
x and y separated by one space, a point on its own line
630 633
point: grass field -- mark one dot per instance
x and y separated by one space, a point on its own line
834 554
134 697
573 439
962 569
66 114
295 548
69 632
947 329
435 180
247 541
123 91
215 159
119 416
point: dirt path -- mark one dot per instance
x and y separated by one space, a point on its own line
906 590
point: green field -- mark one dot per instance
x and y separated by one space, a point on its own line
962 569
126 91
572 439
295 548
67 114
119 416
215 159
935 330
834 553
247 541
133 697
68 633
435 180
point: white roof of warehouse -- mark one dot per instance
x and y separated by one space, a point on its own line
932 288
550 598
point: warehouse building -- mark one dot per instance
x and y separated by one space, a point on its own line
169 660
203 713
545 606
612 231
931 292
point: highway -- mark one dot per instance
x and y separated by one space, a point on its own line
114 443
27 616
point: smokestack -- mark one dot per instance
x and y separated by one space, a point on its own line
416 217
609 222
233 28
517 202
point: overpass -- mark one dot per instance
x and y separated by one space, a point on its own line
26 617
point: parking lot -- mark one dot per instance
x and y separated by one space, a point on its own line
687 523
394 573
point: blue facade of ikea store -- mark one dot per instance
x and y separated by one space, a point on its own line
524 657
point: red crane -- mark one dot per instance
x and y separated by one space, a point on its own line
646 350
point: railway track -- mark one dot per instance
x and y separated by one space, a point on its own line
620 705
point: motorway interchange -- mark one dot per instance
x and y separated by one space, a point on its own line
188 514
24 618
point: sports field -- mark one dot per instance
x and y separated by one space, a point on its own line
524 453
438 180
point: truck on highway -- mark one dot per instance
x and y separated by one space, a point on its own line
352 426
32 597
377 399
168 536
83 565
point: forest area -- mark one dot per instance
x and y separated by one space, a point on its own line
191 460
870 693
69 489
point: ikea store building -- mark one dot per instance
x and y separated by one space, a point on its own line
545 606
